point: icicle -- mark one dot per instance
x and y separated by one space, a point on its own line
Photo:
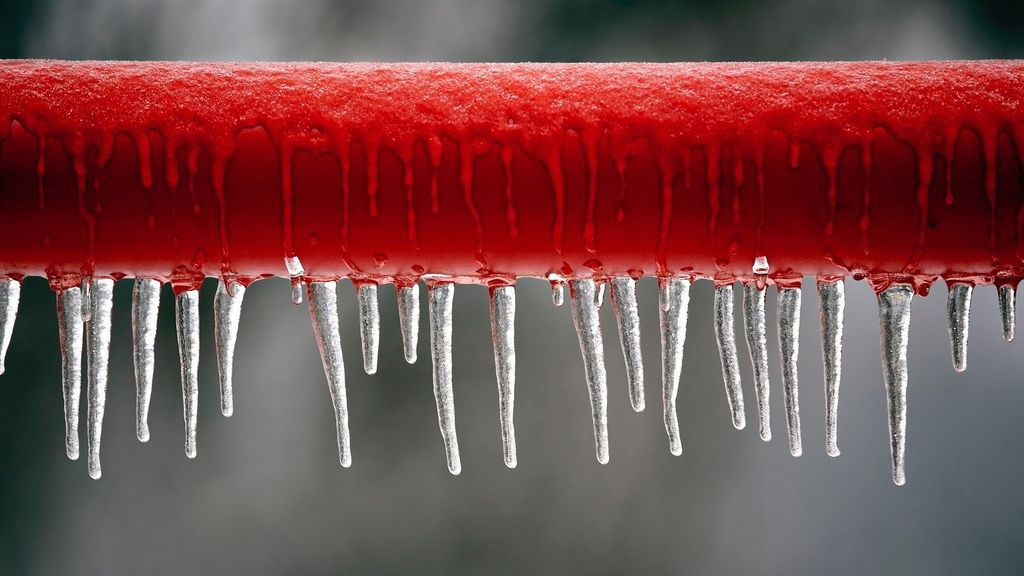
599 297
675 295
98 353
894 315
186 318
789 350
440 298
558 293
832 303
754 326
227 310
10 295
295 272
369 325
586 317
323 312
1007 312
86 298
727 353
409 319
145 309
628 319
503 314
958 309
69 323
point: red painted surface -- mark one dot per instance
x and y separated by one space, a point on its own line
894 171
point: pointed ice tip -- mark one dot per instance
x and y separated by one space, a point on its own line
675 447
796 451
95 473
73 452
766 435
739 422
832 451
142 435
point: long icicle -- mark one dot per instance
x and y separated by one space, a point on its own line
585 315
323 312
1007 309
672 315
789 350
440 298
409 320
832 305
369 325
757 344
98 354
69 323
10 295
145 310
627 317
227 310
503 316
958 310
894 316
726 338
186 318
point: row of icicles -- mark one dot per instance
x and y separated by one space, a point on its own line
84 316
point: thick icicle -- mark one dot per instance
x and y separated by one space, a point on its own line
440 297
98 353
727 353
503 315
789 350
757 344
832 304
369 325
10 295
323 311
628 319
675 296
894 315
409 320
145 308
958 309
586 317
1007 312
186 318
227 310
69 323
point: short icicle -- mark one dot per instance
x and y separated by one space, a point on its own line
958 310
323 312
789 350
558 293
369 325
832 304
98 354
145 310
586 317
69 323
295 272
186 319
503 315
894 316
10 295
726 338
227 310
440 298
1007 310
757 344
675 298
409 320
627 317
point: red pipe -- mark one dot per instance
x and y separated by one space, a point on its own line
386 172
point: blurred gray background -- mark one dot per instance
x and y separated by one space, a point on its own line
266 495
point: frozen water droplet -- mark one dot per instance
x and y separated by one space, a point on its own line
10 295
754 325
323 312
409 320
227 311
1007 312
672 317
186 317
958 309
440 297
98 353
369 325
69 323
295 272
727 353
832 303
298 286
894 315
586 317
145 309
628 319
558 293
789 350
503 315
86 298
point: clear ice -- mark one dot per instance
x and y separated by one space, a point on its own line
323 312
369 325
627 316
726 338
585 316
97 346
227 310
894 317
757 344
672 313
503 316
440 298
186 318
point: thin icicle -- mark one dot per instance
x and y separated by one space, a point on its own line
186 318
727 353
86 298
757 344
440 297
586 317
958 309
832 304
599 298
227 310
503 315
894 315
69 323
409 320
145 309
369 325
558 293
628 319
323 312
789 350
295 273
1007 310
10 295
98 353
675 295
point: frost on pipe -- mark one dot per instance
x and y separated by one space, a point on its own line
895 173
